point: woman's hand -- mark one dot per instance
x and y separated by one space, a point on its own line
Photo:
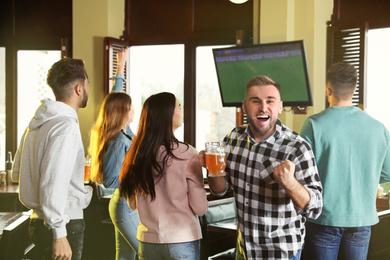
122 58
202 158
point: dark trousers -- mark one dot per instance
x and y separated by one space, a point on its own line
42 237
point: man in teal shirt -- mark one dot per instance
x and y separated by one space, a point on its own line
352 152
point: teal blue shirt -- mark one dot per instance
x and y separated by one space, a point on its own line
352 152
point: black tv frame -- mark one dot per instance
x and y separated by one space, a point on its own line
301 103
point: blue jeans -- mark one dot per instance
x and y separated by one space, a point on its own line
126 223
42 237
187 251
325 242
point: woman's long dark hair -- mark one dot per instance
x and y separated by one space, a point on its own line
154 130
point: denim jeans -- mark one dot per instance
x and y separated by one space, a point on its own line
126 223
187 251
297 256
346 243
42 237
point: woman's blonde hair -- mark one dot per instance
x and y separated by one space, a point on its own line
111 118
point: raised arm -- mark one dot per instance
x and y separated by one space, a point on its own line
284 174
119 78
122 59
299 177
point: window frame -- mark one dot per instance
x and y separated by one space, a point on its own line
11 107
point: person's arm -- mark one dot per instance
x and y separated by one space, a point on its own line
119 78
56 171
15 172
284 174
302 169
385 172
306 132
57 168
218 185
112 163
61 249
121 57
196 192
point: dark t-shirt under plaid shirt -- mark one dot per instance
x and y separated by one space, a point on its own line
271 226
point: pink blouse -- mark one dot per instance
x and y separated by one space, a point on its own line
180 198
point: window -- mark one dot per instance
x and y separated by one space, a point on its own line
213 121
378 86
154 69
378 66
32 72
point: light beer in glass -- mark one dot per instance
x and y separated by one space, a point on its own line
215 158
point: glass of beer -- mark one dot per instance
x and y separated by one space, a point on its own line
87 168
215 158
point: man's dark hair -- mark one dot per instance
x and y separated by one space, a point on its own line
342 78
63 74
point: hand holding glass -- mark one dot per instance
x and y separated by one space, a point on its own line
215 158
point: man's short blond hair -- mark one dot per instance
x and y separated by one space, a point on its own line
261 81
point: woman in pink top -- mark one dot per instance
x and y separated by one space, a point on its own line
162 178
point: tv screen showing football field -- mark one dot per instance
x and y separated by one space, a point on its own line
284 62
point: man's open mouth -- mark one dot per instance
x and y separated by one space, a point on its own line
262 118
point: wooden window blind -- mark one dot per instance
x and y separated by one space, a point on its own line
346 43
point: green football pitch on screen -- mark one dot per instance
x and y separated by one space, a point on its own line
287 71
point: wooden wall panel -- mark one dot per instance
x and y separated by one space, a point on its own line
49 18
185 18
374 11
214 15
156 16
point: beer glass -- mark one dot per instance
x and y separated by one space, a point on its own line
215 158
87 168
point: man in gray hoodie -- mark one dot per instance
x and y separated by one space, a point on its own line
49 165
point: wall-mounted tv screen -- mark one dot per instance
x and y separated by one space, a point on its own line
284 62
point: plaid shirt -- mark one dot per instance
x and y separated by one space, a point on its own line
271 226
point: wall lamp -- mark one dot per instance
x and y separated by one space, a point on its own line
238 1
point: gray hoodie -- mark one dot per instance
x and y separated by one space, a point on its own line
49 165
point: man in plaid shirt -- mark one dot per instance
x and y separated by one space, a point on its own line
274 176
